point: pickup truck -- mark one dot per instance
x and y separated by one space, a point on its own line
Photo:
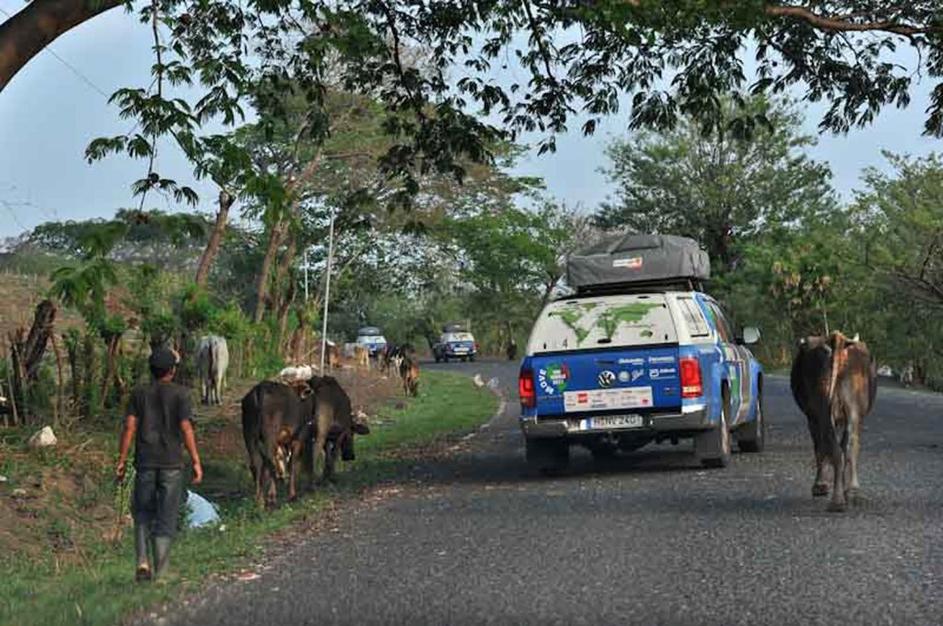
617 371
455 345
372 339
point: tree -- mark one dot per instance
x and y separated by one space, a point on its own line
717 187
671 58
901 216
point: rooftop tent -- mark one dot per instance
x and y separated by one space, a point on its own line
369 331
454 327
625 259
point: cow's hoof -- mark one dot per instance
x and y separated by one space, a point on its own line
853 495
819 490
837 507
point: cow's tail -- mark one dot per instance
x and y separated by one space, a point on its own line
839 357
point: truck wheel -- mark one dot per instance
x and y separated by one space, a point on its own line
712 447
438 359
471 358
548 456
751 437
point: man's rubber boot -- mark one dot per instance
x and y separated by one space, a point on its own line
161 555
144 570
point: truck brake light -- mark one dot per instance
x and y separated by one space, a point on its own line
525 389
692 385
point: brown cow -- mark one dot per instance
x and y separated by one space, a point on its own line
277 426
834 382
409 372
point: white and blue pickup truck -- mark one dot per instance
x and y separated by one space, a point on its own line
455 343
617 367
372 339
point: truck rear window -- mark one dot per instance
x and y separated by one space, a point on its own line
693 317
603 322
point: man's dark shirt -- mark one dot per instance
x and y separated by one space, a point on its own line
159 408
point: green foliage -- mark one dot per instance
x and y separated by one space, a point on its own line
719 188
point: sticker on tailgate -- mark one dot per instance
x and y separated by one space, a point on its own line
601 399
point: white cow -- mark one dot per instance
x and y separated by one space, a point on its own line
212 361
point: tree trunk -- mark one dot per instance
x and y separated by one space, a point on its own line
24 35
226 200
261 287
284 294
284 308
72 353
27 352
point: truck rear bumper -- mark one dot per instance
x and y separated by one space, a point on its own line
569 427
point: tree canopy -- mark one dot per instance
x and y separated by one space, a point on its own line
432 65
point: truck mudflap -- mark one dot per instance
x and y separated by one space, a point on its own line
600 383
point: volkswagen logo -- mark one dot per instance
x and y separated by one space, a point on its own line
606 378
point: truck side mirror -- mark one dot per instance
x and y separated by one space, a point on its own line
750 336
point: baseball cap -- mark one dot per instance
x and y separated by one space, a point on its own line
162 359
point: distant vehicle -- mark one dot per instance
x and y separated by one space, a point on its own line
372 339
455 343
639 354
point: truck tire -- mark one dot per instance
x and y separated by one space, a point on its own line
547 456
713 447
471 358
751 437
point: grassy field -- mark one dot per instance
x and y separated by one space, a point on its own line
95 586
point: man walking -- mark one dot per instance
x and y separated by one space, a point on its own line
158 421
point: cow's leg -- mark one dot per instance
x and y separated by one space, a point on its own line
272 497
820 485
839 445
255 466
296 454
854 436
260 475
320 455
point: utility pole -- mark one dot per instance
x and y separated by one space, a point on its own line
327 290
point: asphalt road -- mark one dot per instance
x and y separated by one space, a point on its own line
650 539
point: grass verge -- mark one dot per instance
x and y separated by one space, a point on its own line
98 588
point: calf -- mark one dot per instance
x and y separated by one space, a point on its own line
277 425
409 372
212 361
334 427
834 382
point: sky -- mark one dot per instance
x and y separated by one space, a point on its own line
49 113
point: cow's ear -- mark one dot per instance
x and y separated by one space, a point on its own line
361 429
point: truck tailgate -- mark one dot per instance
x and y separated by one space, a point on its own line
607 381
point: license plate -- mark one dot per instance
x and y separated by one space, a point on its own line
460 350
605 422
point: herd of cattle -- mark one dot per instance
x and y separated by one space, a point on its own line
301 421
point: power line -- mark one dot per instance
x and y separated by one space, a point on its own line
69 66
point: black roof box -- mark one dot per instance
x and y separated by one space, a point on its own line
633 260
369 331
